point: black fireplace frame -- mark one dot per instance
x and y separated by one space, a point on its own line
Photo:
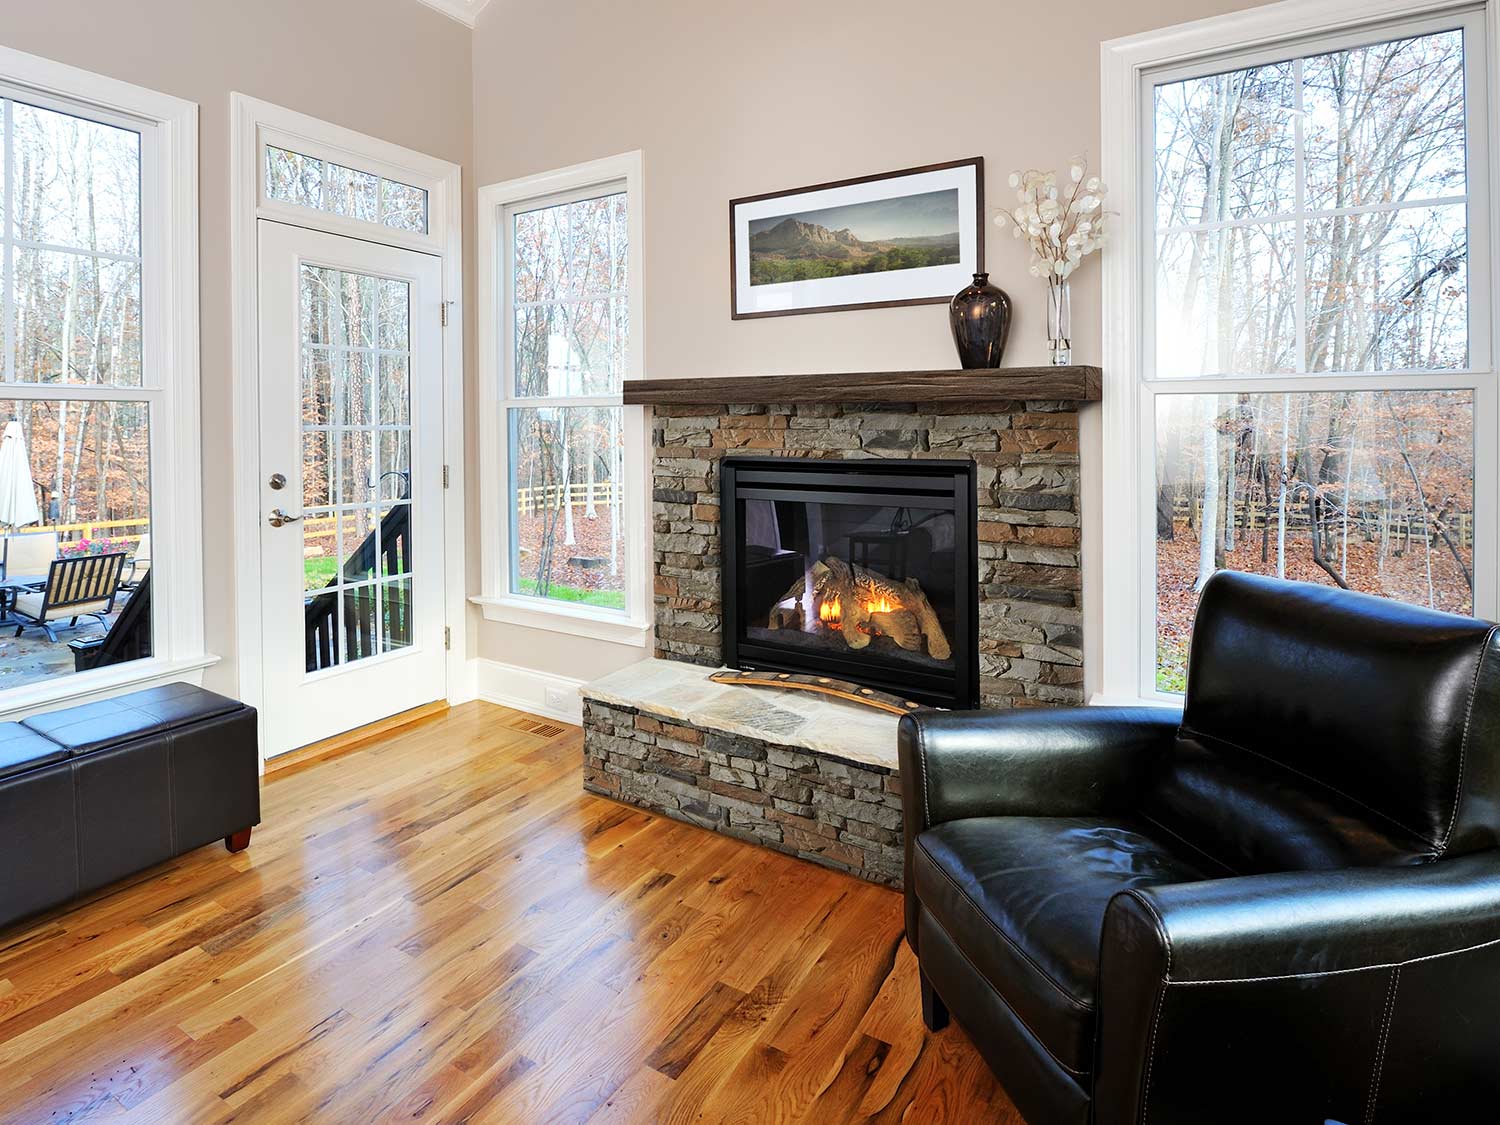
942 484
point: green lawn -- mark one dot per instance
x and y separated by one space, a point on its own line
606 599
319 572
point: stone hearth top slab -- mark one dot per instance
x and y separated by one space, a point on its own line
1078 383
796 719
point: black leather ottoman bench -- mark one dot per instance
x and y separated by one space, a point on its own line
93 793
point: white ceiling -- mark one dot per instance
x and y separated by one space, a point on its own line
464 11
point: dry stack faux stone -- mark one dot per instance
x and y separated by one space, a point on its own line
1030 616
838 813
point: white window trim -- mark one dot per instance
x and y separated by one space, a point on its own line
634 626
169 299
253 123
1120 647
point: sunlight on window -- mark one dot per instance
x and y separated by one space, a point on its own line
1311 218
570 311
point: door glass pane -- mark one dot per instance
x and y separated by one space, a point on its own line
356 471
322 185
1370 490
567 533
395 614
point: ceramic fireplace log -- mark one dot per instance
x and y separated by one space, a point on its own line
866 604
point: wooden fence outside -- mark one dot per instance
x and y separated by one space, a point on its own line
1254 515
529 500
95 529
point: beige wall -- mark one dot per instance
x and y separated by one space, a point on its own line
391 68
729 100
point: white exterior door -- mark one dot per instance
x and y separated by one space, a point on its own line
350 473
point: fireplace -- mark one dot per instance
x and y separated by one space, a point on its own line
858 570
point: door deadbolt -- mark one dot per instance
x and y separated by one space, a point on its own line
278 481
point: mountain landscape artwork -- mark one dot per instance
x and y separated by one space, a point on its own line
874 236
910 237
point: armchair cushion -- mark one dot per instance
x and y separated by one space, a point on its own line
1023 899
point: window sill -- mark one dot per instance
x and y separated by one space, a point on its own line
531 613
1099 699
87 687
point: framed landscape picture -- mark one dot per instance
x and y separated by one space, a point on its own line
912 237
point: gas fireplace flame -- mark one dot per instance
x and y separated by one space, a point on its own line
842 599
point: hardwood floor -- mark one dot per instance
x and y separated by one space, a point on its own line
443 927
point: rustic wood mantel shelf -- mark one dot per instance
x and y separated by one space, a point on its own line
1078 383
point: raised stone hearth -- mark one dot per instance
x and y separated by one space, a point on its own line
800 773
793 771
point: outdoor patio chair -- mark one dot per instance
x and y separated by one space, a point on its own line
82 586
29 554
140 562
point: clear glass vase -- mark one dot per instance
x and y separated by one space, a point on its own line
1059 321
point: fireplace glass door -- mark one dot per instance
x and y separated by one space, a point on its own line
857 572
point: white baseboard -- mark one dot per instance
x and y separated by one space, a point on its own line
528 690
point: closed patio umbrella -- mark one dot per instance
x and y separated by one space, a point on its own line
18 505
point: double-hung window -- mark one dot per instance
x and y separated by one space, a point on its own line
100 540
1313 371
563 314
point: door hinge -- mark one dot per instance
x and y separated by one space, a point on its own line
444 306
445 476
447 636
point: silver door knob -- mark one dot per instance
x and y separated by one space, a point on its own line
278 517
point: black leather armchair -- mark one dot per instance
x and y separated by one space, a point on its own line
1282 904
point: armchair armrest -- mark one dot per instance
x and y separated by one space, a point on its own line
1296 974
1045 762
1054 762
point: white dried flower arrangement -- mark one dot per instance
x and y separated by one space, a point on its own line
1062 226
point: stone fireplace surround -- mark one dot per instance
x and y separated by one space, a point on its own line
760 765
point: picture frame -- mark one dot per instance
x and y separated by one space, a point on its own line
909 237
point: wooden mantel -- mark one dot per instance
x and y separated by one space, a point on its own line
1078 383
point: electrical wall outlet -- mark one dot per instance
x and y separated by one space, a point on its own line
556 697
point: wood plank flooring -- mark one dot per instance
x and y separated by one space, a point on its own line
443 927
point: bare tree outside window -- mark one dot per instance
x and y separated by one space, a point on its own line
570 310
70 316
1311 219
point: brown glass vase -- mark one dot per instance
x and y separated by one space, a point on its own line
980 315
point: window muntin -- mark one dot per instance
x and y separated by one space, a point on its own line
357 522
1310 214
71 241
323 185
1315 293
567 346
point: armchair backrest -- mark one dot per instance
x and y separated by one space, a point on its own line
1324 728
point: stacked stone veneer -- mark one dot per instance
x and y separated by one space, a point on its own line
1030 621
838 813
